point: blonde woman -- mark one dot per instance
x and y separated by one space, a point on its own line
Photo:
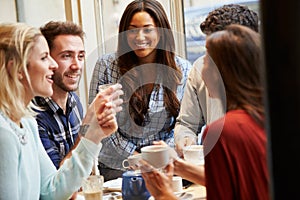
26 171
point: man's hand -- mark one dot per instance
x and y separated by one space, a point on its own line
101 114
185 141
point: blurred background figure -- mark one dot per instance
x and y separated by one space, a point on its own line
198 108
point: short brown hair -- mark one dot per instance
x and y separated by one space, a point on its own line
52 29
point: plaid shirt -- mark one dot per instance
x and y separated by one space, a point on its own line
58 131
131 137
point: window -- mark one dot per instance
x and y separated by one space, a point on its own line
195 12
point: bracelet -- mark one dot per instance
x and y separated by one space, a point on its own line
83 129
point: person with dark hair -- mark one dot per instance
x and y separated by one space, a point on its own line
153 79
59 121
219 18
198 109
27 70
235 145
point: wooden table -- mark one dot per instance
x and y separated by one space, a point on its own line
198 192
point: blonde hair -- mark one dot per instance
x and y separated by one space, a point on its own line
16 43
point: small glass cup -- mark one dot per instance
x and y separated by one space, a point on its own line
104 86
92 187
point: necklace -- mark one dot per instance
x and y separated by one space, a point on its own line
21 134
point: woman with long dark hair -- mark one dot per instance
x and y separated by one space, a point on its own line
153 79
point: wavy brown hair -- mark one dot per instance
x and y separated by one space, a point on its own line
127 61
237 53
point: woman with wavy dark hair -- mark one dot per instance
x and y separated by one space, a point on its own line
153 79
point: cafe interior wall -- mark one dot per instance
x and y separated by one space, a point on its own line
282 103
39 12
99 19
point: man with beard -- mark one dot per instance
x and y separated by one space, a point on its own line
61 115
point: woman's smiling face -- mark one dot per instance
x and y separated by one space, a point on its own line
143 36
40 70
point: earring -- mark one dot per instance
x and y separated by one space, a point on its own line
20 76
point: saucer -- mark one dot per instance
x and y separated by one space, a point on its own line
184 196
180 195
114 185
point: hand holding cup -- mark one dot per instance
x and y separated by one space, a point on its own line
132 162
183 142
194 154
156 155
101 113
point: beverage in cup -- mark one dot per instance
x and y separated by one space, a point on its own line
92 187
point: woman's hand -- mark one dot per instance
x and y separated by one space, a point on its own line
191 172
158 184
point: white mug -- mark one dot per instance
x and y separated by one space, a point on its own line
132 161
156 155
177 184
194 154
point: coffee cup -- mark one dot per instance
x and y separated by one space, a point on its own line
156 155
132 161
194 154
177 184
92 187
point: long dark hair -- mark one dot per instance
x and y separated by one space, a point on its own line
127 61
237 53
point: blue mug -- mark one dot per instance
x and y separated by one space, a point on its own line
133 186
